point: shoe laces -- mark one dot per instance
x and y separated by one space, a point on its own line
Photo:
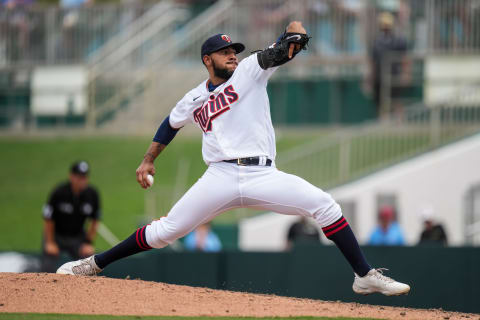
379 275
84 268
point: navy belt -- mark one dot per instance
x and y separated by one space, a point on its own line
250 161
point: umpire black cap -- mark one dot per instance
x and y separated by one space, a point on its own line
218 42
80 168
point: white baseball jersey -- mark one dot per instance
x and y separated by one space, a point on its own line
235 117
235 120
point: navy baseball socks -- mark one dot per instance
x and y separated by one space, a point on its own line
367 280
134 244
342 235
94 264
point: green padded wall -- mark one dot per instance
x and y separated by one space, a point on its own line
447 278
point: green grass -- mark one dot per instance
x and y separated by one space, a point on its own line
30 168
34 316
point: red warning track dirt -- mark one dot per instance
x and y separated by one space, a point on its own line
52 293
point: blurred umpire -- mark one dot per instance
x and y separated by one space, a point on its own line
69 206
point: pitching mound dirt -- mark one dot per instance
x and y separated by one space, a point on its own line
52 293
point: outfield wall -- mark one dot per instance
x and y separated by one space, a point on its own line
447 278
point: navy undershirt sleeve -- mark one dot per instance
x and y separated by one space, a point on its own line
165 132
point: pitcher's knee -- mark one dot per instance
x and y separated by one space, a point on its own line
161 233
328 213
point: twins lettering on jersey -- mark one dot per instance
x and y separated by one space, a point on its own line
214 107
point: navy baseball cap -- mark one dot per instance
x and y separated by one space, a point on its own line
81 168
218 42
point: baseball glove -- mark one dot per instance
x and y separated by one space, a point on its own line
301 39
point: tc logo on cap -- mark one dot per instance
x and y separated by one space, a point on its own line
226 38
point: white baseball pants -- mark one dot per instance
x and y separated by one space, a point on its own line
225 186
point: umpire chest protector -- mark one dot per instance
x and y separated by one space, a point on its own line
70 211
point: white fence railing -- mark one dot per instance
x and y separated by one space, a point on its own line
139 71
117 74
349 153
136 35
53 35
122 43
33 34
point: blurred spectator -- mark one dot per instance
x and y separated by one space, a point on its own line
347 39
203 239
14 29
302 231
65 214
388 231
452 23
400 8
433 233
77 21
333 25
389 66
72 4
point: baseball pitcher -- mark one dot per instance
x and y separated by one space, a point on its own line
232 110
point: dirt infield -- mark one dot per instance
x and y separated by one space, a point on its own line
52 293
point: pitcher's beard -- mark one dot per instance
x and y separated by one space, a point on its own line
221 73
